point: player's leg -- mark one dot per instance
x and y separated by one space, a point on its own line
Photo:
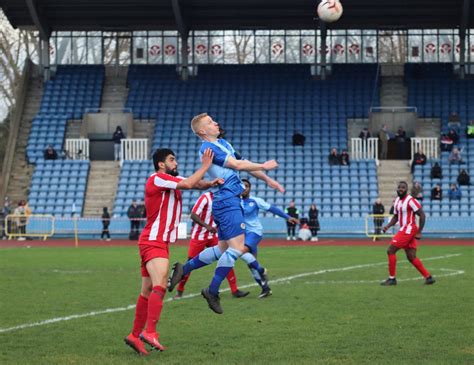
195 248
288 231
392 264
157 267
416 262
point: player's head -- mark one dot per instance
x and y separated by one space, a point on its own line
248 187
402 189
204 126
164 160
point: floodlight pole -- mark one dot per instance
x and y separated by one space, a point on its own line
184 32
462 38
324 34
184 57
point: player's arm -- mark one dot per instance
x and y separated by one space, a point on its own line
196 219
262 204
205 184
194 179
246 165
268 180
421 213
390 224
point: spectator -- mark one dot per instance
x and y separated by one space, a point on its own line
470 129
105 224
117 137
454 192
142 214
50 153
364 134
455 156
134 214
419 158
304 234
436 172
6 210
294 213
384 137
401 138
453 135
298 139
344 158
392 208
378 209
21 213
446 143
417 191
464 178
334 158
454 120
436 193
314 222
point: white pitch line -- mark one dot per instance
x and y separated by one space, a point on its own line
132 306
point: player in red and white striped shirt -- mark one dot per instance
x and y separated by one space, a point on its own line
405 209
163 206
203 235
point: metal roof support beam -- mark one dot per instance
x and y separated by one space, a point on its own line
462 38
183 30
184 57
39 22
324 34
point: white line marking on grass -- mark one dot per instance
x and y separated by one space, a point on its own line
132 306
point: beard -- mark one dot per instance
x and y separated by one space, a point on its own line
172 172
401 195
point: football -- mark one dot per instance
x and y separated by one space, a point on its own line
329 10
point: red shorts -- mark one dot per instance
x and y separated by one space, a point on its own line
149 252
403 240
195 246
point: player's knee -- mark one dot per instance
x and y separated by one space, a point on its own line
146 291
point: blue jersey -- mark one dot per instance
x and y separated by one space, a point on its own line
232 186
251 207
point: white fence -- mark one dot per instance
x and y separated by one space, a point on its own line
365 149
77 148
134 149
429 146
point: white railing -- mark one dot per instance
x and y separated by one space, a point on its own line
429 146
365 149
134 149
77 148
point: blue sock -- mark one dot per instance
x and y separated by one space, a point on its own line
258 278
206 257
224 265
252 262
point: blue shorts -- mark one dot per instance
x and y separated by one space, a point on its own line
251 241
229 218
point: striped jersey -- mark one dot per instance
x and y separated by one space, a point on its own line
405 209
203 209
163 204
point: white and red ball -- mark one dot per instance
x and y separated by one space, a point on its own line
329 10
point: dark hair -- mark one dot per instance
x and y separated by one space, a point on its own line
160 156
247 181
403 182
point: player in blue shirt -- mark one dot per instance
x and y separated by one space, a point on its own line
254 234
226 208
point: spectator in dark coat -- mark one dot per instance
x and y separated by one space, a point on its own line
134 214
314 222
334 158
50 153
419 158
436 193
436 172
117 137
344 158
378 208
464 178
294 213
105 224
298 139
453 135
364 134
400 138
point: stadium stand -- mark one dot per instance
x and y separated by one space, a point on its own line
436 92
261 106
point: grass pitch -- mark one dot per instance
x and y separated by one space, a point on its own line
339 316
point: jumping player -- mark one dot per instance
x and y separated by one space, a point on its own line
405 208
226 207
203 235
163 206
254 234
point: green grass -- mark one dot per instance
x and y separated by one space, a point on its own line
316 319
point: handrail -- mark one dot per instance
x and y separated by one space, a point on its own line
15 121
393 109
108 110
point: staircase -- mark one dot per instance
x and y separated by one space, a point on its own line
101 187
115 92
428 127
389 173
393 91
73 129
144 129
21 171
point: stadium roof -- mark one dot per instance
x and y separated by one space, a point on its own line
116 15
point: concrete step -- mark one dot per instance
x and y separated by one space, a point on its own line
101 187
389 173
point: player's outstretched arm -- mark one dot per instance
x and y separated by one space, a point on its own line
246 165
268 180
194 179
196 219
205 184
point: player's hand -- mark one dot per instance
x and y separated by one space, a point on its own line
385 229
293 220
418 236
211 229
270 165
275 185
216 182
207 157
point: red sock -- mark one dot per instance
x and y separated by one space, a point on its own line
155 304
232 281
182 283
419 266
392 265
141 312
